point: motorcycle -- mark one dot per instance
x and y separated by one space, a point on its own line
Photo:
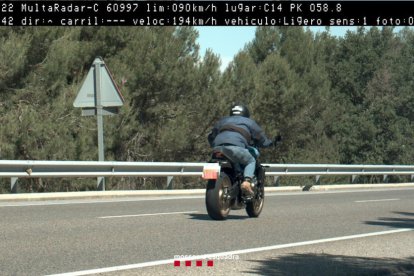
223 192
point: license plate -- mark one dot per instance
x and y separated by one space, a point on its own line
211 171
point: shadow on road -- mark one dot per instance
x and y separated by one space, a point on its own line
325 264
407 221
206 217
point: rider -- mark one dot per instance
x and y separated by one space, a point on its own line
236 134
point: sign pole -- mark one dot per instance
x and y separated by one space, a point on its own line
99 116
99 96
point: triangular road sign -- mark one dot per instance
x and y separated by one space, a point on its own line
110 94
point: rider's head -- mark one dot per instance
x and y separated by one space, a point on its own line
239 110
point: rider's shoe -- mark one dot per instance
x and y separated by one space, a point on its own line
246 187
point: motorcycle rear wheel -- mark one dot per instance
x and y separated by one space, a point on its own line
255 206
217 198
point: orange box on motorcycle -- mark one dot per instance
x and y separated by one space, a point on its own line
211 171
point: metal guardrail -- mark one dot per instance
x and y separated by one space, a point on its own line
15 169
35 169
318 170
327 169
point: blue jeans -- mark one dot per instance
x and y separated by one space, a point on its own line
242 157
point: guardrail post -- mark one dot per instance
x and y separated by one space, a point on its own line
276 180
317 180
101 183
354 178
169 182
13 185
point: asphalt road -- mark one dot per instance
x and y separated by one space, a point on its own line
306 233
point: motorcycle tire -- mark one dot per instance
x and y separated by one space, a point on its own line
217 202
255 206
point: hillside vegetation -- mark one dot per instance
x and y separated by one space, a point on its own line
347 100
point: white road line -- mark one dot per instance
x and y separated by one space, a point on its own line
70 202
377 200
145 215
235 252
67 201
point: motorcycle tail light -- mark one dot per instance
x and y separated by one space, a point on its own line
211 171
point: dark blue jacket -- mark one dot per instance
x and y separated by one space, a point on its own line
239 131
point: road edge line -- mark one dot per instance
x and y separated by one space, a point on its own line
234 252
